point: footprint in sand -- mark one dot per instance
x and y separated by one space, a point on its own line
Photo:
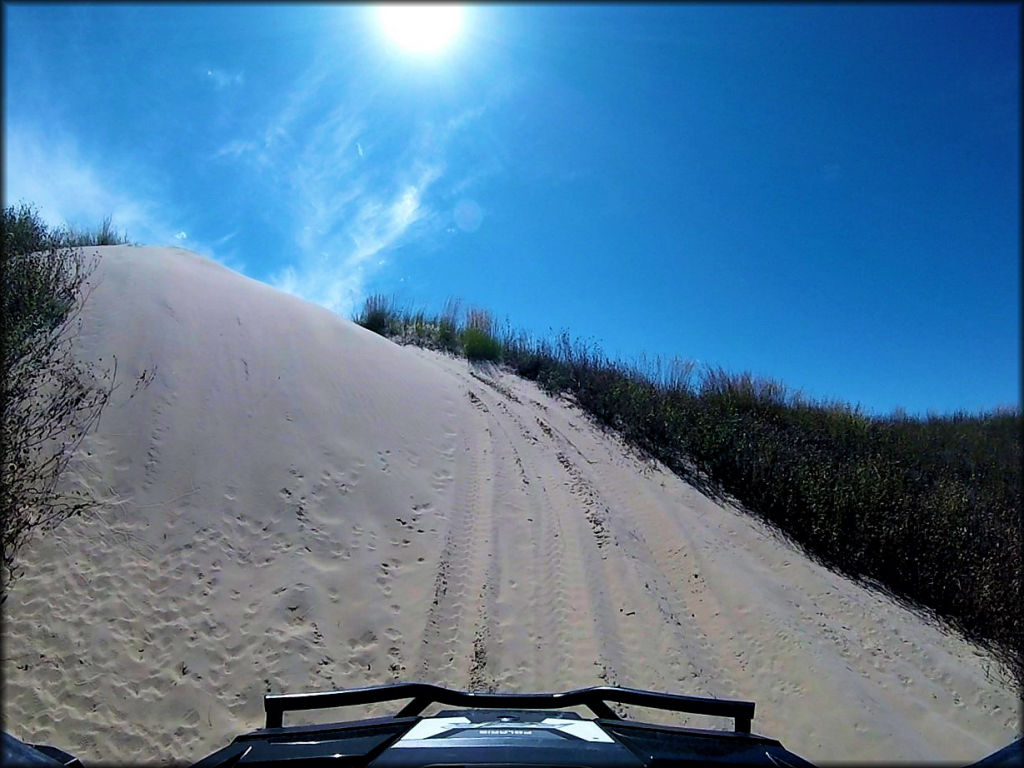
441 479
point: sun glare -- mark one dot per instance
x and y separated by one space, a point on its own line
421 28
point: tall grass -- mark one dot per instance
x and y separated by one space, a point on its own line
104 234
478 341
26 232
928 509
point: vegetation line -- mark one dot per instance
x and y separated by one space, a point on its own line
929 509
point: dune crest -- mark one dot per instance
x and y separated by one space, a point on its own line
296 503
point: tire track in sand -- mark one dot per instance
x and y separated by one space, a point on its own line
665 639
447 650
564 605
480 676
633 608
524 584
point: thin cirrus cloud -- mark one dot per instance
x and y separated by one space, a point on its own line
235 149
343 237
350 196
48 171
221 78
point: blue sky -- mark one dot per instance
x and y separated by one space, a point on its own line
825 195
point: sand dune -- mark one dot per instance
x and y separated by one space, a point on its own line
298 504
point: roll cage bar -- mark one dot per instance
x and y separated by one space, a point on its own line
422 695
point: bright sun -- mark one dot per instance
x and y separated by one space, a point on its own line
421 28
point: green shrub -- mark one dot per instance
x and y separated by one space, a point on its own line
478 345
24 231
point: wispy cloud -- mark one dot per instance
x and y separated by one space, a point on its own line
491 159
352 192
277 135
280 127
235 149
352 182
342 237
48 170
221 78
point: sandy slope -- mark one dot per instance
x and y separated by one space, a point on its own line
298 504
